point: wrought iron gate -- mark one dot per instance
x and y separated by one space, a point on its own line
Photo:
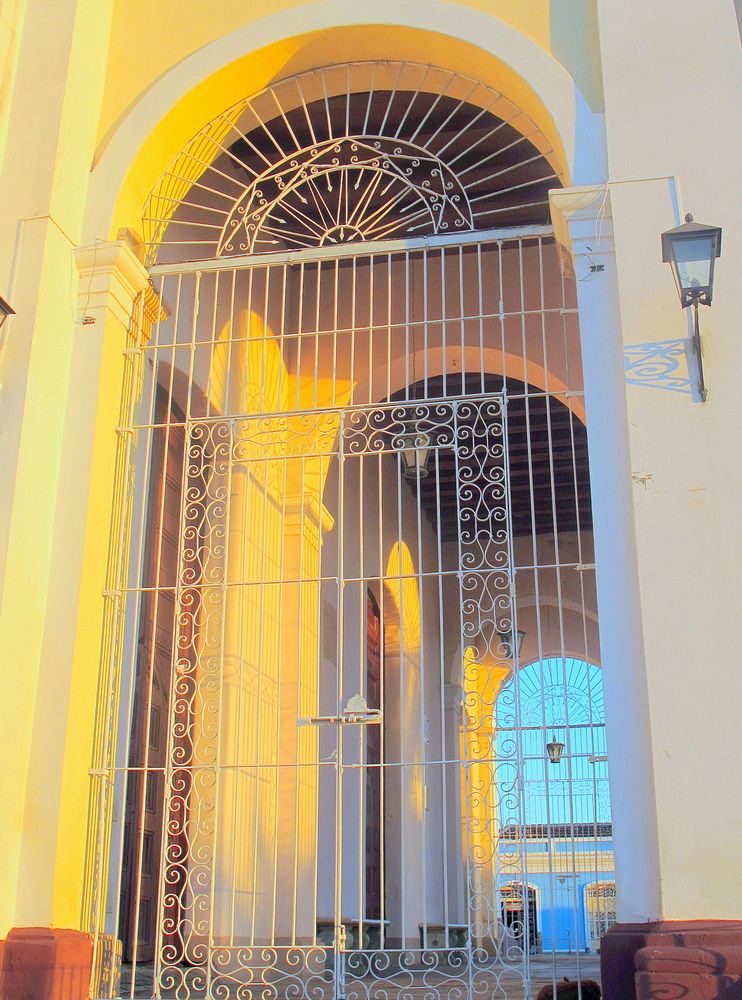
323 768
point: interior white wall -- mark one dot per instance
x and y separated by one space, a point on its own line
413 681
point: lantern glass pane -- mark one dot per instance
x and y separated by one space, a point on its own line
408 459
693 261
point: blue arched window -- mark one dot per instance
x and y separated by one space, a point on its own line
562 697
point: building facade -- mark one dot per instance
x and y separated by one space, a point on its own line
369 554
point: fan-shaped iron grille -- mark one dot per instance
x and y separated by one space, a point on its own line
358 152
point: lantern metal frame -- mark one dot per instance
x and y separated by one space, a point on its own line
675 238
414 441
506 638
693 295
555 749
5 310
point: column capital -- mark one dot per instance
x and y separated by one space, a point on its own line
307 510
582 219
111 277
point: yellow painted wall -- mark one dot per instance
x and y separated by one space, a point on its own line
128 55
12 13
149 38
49 134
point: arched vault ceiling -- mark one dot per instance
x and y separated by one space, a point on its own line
547 463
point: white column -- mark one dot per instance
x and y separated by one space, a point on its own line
455 859
582 219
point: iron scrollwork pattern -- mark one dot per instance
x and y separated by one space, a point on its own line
191 772
351 153
437 974
344 176
493 787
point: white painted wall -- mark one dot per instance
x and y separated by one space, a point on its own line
672 77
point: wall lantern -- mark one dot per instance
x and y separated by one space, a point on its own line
415 444
5 311
554 750
691 250
506 638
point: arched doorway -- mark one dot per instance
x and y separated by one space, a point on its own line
370 414
520 914
600 909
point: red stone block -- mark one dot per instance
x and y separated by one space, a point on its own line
44 963
617 950
673 960
707 961
682 986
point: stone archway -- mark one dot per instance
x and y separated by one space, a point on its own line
426 198
133 153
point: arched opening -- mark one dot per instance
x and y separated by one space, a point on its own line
363 431
600 911
137 147
518 905
558 827
351 153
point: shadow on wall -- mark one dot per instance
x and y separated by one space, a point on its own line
660 364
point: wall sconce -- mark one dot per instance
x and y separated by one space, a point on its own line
554 750
5 311
691 250
506 638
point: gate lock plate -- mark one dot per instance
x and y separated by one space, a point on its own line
356 713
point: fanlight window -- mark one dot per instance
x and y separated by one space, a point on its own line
358 152
562 697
